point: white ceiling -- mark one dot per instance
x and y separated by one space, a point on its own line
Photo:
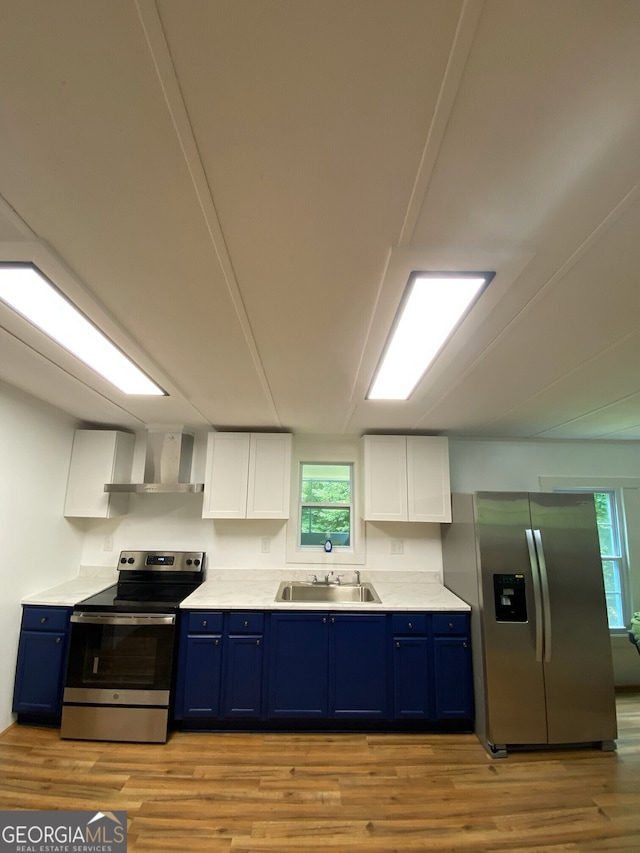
237 190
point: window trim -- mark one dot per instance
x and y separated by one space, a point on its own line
326 451
322 505
617 485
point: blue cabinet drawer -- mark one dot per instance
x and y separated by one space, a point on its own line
450 623
410 623
45 618
246 622
204 621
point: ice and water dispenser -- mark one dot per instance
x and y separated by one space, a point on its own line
510 598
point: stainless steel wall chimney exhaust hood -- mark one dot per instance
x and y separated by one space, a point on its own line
167 467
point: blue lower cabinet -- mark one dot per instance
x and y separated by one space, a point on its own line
199 681
298 665
394 668
328 666
412 678
242 694
412 666
358 668
202 675
220 666
453 678
41 663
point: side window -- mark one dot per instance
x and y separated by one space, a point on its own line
325 504
611 553
609 517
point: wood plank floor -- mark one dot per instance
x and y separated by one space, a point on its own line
396 793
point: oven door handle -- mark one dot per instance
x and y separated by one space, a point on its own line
124 618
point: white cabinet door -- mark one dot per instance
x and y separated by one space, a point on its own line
98 457
385 478
406 478
225 482
428 485
247 475
269 476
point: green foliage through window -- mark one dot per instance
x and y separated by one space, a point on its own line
611 554
325 496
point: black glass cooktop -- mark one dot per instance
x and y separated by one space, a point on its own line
138 597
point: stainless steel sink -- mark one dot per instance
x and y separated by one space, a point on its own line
323 592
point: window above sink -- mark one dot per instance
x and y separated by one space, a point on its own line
325 504
326 498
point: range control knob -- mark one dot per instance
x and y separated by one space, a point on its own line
189 561
196 562
123 559
130 560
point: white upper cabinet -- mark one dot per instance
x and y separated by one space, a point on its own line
385 478
406 478
226 476
428 483
269 475
247 475
98 457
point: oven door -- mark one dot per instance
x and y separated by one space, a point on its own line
118 684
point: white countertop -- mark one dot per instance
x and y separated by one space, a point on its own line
246 589
254 589
71 592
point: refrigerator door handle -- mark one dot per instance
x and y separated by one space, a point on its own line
537 593
546 598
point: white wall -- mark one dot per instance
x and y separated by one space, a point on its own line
174 521
39 547
478 465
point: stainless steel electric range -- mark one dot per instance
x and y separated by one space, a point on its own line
122 651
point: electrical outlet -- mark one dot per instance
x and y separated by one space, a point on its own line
265 545
397 546
107 544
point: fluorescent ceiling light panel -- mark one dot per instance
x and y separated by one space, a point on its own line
25 289
432 306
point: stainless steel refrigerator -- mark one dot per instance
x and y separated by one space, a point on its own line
529 565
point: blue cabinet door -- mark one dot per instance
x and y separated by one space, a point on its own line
358 667
243 676
201 676
42 661
40 673
199 671
412 678
298 665
453 686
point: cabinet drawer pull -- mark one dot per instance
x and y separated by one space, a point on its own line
410 624
246 624
215 642
257 642
324 620
397 645
43 620
58 639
